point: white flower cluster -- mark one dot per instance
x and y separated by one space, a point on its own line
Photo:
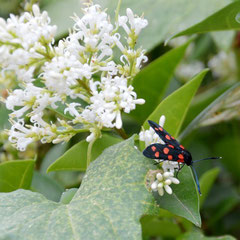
223 65
23 42
165 177
79 73
186 70
162 182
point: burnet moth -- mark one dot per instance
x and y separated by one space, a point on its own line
172 150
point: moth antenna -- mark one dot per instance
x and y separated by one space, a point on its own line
196 178
207 159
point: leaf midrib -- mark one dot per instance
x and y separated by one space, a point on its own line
187 209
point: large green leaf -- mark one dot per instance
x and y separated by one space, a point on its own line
206 182
16 174
108 205
225 19
76 157
184 200
152 82
165 18
175 106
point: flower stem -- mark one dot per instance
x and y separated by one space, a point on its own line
89 151
72 131
117 10
116 16
85 86
122 133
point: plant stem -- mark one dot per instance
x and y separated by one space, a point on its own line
117 10
122 133
85 86
116 15
89 151
72 131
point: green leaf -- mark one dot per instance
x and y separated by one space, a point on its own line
52 155
68 195
16 174
176 105
203 100
154 226
206 182
76 157
184 199
228 148
108 205
200 236
209 110
152 82
225 19
47 186
67 179
165 18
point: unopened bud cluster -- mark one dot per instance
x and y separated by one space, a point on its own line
163 182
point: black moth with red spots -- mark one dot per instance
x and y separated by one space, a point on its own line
172 150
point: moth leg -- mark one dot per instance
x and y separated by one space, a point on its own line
157 162
179 168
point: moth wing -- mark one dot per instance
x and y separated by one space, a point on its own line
164 135
164 152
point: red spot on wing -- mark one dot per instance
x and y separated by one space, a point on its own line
181 146
154 148
160 129
171 146
157 154
167 137
156 129
172 138
166 150
180 160
170 157
180 156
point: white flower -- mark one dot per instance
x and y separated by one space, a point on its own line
72 109
223 64
170 166
188 70
31 97
149 136
136 23
163 181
